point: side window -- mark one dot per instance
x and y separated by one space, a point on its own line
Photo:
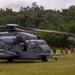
32 45
24 47
9 47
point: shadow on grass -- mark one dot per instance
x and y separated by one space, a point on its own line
21 61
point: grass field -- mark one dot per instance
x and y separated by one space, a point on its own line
65 65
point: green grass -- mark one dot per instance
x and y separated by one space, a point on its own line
64 66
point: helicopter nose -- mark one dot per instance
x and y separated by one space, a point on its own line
45 49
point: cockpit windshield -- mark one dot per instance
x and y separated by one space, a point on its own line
40 42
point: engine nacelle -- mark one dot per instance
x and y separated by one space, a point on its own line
20 39
11 39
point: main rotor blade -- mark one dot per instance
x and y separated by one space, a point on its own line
15 26
2 26
52 31
40 30
19 29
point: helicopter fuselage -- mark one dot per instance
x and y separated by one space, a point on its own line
20 45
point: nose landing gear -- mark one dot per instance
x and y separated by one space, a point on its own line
43 58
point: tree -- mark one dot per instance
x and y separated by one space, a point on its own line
35 6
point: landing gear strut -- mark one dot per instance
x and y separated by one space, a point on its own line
44 59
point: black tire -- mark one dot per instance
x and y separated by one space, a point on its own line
44 59
10 60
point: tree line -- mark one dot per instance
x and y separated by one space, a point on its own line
37 17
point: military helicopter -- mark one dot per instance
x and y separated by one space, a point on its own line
24 46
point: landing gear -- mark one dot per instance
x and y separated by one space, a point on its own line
44 59
10 60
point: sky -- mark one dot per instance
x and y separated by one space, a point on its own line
47 4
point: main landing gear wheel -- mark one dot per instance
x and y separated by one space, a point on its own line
10 60
44 59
